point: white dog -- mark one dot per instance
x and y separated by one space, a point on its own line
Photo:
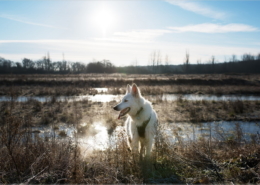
142 122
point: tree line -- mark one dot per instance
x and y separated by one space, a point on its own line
247 64
46 66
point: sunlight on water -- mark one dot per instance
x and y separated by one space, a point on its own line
104 98
83 124
100 90
98 141
101 141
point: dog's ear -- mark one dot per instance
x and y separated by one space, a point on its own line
128 88
135 91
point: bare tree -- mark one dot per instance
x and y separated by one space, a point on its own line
136 64
212 60
258 56
158 61
186 62
47 62
27 63
247 57
158 58
166 61
234 58
18 65
153 60
40 64
213 63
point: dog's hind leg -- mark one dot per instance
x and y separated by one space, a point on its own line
148 147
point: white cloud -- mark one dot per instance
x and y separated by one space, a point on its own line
215 28
75 50
137 36
22 20
198 9
42 41
117 52
148 34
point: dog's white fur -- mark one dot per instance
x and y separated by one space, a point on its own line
141 111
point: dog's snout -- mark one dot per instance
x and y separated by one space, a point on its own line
115 108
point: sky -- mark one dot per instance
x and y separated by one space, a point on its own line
128 32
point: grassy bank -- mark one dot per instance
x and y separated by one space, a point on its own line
205 111
54 85
73 90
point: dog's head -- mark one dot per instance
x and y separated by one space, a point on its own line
130 102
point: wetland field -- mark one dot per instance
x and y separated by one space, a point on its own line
62 129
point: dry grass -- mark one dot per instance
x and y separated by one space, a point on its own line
205 111
27 158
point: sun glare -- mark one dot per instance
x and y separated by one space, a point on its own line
104 18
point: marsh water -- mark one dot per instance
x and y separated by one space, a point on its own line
110 97
174 132
100 97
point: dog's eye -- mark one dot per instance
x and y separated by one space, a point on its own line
126 101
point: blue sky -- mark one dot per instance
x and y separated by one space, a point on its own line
127 32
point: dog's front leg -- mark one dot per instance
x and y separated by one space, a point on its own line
134 138
142 150
135 147
135 143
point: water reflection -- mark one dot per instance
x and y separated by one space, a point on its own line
173 132
218 130
101 90
193 97
97 136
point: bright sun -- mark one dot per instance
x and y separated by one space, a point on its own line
104 19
